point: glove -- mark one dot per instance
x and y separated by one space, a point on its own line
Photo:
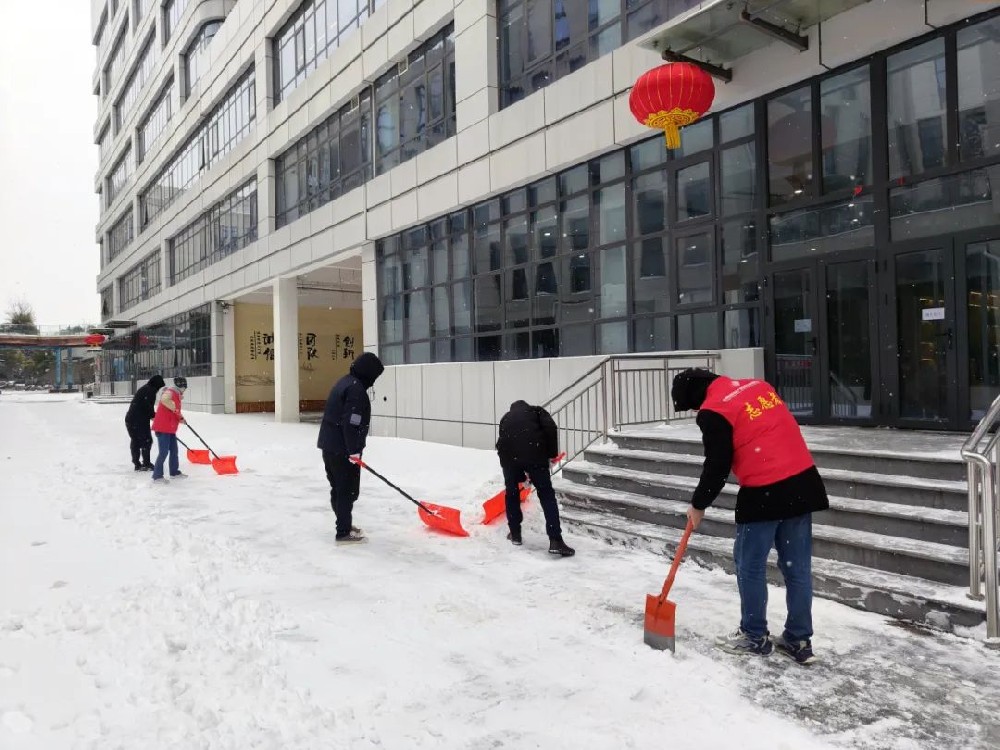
355 458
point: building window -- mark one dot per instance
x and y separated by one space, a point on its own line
107 302
231 224
917 104
196 56
120 174
313 32
415 103
542 41
225 127
846 130
331 160
172 12
155 122
179 345
140 283
103 141
790 145
120 235
130 94
979 90
116 62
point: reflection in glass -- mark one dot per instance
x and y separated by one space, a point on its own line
575 223
742 328
442 311
651 291
922 343
947 204
653 334
698 331
847 225
576 341
417 311
795 334
740 262
982 267
611 213
489 303
613 337
847 320
790 145
695 279
736 123
486 248
979 89
545 342
516 240
613 291
694 192
738 182
649 194
461 298
418 353
695 138
845 106
917 109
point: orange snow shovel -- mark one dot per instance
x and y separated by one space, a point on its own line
659 625
437 517
221 464
196 455
496 506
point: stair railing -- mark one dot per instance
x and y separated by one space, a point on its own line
981 453
621 390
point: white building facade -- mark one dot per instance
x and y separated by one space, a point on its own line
459 186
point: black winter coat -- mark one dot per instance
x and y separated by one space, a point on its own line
143 406
528 436
348 412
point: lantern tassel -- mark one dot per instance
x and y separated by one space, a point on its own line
673 134
671 122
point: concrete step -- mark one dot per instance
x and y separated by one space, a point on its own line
922 465
902 596
891 519
936 562
888 488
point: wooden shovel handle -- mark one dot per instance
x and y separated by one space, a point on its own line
678 555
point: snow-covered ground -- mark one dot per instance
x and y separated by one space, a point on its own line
216 612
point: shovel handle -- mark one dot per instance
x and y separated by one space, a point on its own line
402 492
202 440
681 549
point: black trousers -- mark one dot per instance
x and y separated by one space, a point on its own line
141 441
540 477
345 486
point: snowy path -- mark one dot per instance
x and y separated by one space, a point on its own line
216 613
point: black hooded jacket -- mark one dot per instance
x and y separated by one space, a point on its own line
528 436
348 412
143 406
791 497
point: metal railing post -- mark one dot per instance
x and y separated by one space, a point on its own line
974 471
989 525
604 398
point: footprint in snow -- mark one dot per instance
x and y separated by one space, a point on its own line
60 584
38 543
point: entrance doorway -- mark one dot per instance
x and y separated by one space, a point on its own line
822 350
941 353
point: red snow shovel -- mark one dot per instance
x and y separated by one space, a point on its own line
436 516
196 455
660 611
496 506
221 464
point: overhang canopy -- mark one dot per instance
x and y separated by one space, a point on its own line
719 31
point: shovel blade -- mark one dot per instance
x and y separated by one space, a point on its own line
442 518
496 506
197 456
225 465
658 628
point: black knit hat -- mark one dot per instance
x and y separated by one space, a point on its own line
690 387
181 382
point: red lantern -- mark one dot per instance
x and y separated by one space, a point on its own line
670 97
95 339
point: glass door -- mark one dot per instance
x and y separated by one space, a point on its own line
982 356
847 340
795 329
922 339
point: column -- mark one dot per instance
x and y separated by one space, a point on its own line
286 350
58 369
229 357
69 368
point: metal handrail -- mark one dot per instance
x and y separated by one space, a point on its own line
982 465
592 405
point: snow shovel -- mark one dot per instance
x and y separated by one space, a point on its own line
196 455
221 464
659 625
436 516
496 506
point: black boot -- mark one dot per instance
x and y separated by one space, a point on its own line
514 537
558 547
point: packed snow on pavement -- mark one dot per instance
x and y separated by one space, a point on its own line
216 612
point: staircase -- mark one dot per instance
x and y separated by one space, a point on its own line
895 540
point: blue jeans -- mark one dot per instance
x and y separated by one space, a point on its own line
166 443
793 540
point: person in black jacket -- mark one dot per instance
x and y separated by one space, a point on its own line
342 435
137 419
528 442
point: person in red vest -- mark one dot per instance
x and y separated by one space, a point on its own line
747 429
165 423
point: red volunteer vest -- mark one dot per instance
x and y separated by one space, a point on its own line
767 443
166 420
